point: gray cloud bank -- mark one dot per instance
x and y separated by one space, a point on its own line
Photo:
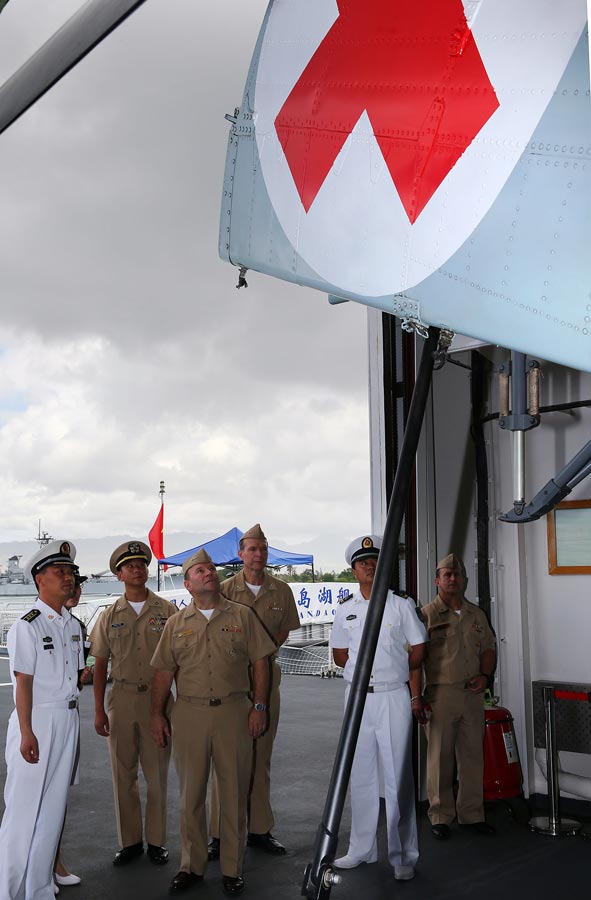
126 353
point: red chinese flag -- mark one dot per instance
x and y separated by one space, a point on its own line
156 536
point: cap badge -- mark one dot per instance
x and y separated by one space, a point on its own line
65 548
134 548
367 543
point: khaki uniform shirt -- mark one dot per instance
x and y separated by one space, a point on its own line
456 642
274 604
130 640
210 657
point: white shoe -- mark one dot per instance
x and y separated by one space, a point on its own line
67 879
350 862
404 873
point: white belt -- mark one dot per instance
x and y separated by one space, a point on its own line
384 686
57 704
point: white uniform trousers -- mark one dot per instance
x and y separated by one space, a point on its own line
385 734
35 795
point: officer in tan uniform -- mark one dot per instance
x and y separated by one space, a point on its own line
127 633
273 602
460 659
208 649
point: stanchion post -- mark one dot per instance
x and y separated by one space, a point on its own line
552 824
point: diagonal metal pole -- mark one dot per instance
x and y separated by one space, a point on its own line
78 36
320 876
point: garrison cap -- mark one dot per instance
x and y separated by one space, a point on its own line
365 547
128 551
452 561
202 556
254 534
54 553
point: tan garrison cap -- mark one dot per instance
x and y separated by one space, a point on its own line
51 554
254 534
452 561
129 550
202 556
364 547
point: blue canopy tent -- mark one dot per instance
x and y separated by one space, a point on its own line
224 552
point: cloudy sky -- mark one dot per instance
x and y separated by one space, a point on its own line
126 354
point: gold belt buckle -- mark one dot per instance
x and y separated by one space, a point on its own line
215 702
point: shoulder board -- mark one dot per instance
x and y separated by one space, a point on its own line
31 615
344 599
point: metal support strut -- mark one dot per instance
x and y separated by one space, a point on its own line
320 875
552 825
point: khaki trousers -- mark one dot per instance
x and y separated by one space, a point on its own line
455 735
131 745
260 814
203 734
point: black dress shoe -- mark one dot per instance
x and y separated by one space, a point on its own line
184 880
213 849
479 827
266 842
441 832
232 885
127 854
157 855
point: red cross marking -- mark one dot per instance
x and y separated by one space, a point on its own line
414 66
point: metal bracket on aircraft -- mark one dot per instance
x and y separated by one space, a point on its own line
242 282
243 119
444 343
409 312
554 491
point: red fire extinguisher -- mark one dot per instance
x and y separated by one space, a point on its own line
502 769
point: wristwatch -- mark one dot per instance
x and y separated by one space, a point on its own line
260 707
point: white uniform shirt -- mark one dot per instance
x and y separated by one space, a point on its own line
400 626
51 648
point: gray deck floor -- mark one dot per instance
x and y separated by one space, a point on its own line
514 863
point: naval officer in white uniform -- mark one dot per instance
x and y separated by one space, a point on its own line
46 653
386 727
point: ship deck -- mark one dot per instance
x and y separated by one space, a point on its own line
515 862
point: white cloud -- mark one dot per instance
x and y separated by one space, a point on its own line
127 354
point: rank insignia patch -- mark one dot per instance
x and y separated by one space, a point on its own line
31 616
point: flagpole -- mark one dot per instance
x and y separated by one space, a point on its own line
162 492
